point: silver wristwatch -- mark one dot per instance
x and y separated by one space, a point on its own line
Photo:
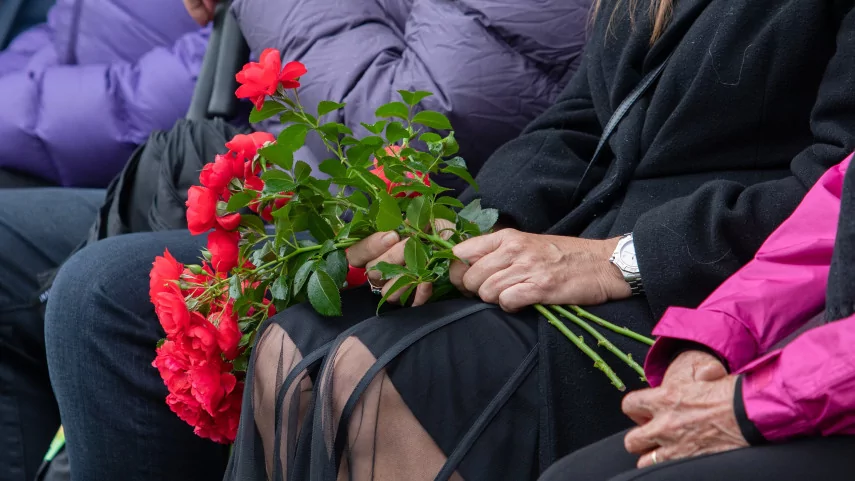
624 259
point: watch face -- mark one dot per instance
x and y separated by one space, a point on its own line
626 257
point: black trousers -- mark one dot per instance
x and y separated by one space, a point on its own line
826 459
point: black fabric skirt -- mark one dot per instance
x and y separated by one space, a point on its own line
477 400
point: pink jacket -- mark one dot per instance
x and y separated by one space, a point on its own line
808 387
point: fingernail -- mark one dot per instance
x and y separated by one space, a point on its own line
390 239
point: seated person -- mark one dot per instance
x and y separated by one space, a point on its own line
752 107
525 64
728 388
83 90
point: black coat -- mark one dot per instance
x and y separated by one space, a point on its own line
757 101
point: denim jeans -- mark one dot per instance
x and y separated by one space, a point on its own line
101 332
39 228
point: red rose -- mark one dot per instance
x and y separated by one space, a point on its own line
380 172
356 276
201 209
200 338
290 75
165 271
229 221
222 427
209 384
259 79
223 246
172 362
172 312
228 332
217 175
245 147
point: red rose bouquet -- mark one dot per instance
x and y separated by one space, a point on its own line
256 201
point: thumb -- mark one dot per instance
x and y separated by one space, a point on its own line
712 371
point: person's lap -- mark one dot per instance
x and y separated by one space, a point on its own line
101 333
815 458
39 228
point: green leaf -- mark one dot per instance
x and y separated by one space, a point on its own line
269 109
450 201
429 137
319 228
252 222
487 219
336 266
400 283
235 290
334 129
293 137
442 212
290 117
333 167
239 201
276 181
434 120
463 174
388 213
278 155
405 297
279 289
444 254
388 271
413 98
326 106
456 162
324 295
396 132
302 275
393 109
377 127
415 255
359 199
449 145
302 171
412 186
418 213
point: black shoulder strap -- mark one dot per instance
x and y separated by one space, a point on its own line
646 83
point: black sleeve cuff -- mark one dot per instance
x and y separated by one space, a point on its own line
746 426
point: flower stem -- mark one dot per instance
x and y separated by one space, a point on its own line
599 363
601 340
608 325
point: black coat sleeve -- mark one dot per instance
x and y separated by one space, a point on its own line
688 246
531 179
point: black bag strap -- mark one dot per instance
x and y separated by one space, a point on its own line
9 10
646 83
214 95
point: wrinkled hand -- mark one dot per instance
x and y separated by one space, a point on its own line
202 11
389 247
684 418
514 269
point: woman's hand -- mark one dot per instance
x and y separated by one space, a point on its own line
515 269
202 11
684 418
385 247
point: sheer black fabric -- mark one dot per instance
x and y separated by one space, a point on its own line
445 391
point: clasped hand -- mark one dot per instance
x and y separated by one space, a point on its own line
512 269
689 415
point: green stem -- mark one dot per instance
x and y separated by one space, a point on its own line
601 340
599 363
608 325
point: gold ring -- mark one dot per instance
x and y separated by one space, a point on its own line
653 458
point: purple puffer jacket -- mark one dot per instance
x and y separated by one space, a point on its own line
493 64
79 93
